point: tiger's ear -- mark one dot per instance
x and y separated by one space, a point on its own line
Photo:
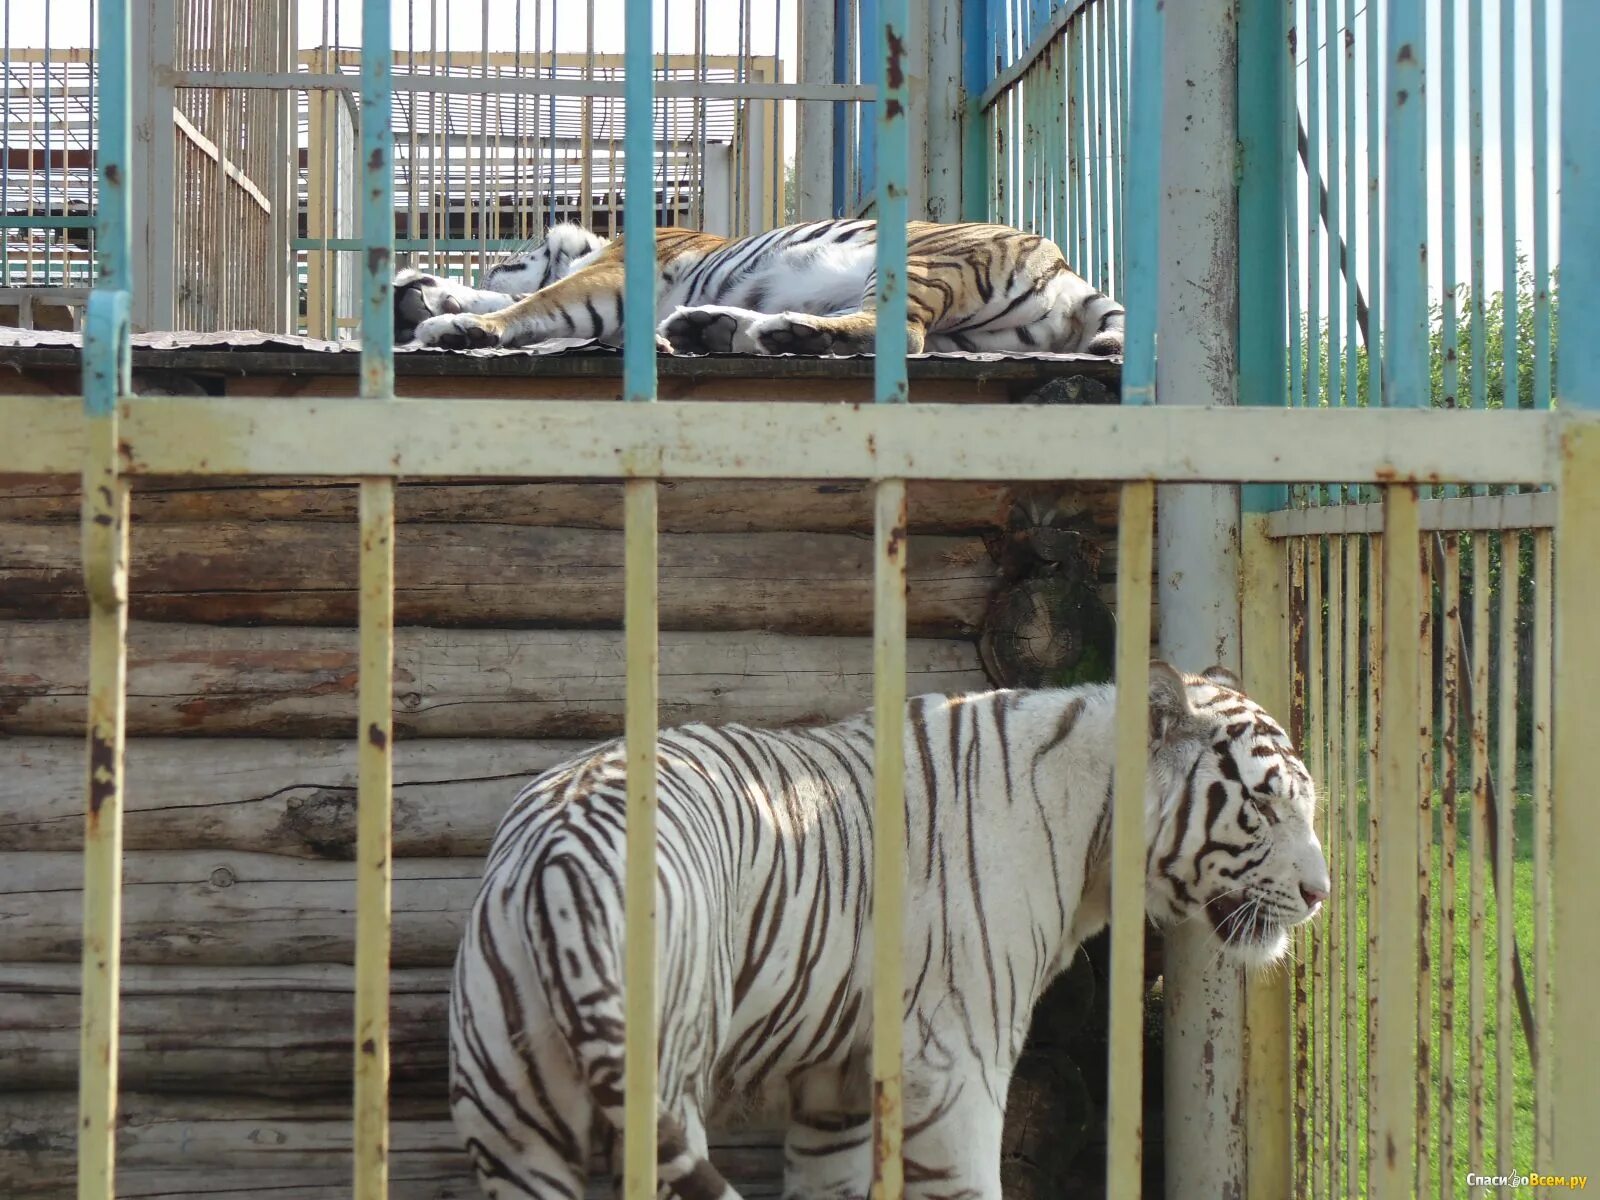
1171 717
1222 677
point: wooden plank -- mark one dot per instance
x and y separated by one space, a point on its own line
221 1145
687 506
489 575
232 907
217 681
234 1030
270 796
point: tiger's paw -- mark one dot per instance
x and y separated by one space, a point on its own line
460 331
784 334
709 329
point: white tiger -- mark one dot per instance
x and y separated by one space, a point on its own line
805 289
764 902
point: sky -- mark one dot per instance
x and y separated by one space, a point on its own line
526 24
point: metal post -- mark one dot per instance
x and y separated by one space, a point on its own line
106 353
813 160
889 616
1575 831
151 168
640 620
1197 551
1263 96
375 740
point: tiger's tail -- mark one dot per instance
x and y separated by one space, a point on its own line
579 948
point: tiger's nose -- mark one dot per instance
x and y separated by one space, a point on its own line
1313 894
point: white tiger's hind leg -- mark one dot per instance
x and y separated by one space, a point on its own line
953 1132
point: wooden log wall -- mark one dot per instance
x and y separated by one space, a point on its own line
239 901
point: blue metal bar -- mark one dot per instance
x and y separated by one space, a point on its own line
377 202
23 221
867 35
975 69
1477 334
1263 218
1406 199
1334 394
1449 336
1541 208
842 110
113 232
1510 383
1144 204
639 241
894 149
1290 201
1313 217
5 159
414 245
1579 379
1352 383
1374 222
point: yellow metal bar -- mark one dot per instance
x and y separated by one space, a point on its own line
1424 910
1313 935
105 564
1349 855
1299 730
1375 691
639 969
1450 606
755 439
1505 832
1391 1141
889 838
1478 917
1575 831
1135 524
374 806
1268 1074
1544 1160
1332 920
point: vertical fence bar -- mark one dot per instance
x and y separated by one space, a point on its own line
1450 698
1509 374
1391 1140
639 617
1424 914
1501 840
376 687
1574 830
1126 1051
1333 926
889 616
1540 93
1374 154
1477 917
1543 653
106 381
1349 855
1300 735
1375 862
1313 946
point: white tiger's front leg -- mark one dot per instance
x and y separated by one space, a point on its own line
952 1149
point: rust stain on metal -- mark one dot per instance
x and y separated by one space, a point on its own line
1405 54
376 736
886 1111
114 174
897 541
369 1047
376 161
102 773
896 74
378 262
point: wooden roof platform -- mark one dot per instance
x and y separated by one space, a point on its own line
254 364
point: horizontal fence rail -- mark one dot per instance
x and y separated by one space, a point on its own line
754 439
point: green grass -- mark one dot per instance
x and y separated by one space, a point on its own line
1519 1157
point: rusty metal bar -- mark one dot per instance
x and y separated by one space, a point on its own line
1265 668
1393 1064
1543 1049
1478 918
1349 855
1329 812
1135 528
1450 699
1424 985
1299 733
1314 940
1505 810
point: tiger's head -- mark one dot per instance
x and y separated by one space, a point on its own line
563 250
1233 845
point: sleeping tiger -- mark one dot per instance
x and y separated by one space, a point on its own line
803 289
764 896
